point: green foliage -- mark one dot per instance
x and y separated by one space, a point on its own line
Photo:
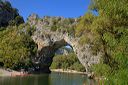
108 33
9 15
84 23
69 61
120 78
84 40
101 69
78 66
54 28
18 20
116 10
15 48
65 25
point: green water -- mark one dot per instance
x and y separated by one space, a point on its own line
48 79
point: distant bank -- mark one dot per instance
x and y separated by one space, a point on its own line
67 71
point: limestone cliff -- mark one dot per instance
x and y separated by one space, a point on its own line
49 41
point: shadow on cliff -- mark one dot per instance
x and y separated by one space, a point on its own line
44 58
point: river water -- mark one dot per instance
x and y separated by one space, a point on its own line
55 78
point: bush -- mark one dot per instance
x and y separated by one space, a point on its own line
69 61
16 48
78 67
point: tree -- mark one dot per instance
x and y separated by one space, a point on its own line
16 48
9 15
109 31
69 61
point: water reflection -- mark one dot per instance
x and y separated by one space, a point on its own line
28 80
45 79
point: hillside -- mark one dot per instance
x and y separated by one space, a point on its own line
9 15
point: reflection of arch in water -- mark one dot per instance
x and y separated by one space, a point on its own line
42 79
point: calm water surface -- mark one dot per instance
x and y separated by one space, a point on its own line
54 78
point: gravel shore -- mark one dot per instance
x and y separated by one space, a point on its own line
9 72
67 71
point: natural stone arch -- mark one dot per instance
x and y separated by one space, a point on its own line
49 41
45 55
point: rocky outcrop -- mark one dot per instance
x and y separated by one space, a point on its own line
49 41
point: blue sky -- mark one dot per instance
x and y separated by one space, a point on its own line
65 8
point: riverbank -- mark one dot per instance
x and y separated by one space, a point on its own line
8 72
67 71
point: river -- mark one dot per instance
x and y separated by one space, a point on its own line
55 78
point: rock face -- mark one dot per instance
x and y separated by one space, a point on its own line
49 41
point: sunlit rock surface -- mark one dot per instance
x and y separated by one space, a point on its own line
49 41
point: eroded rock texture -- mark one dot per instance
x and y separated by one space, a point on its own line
49 41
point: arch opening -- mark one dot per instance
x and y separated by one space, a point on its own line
64 50
48 56
65 59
